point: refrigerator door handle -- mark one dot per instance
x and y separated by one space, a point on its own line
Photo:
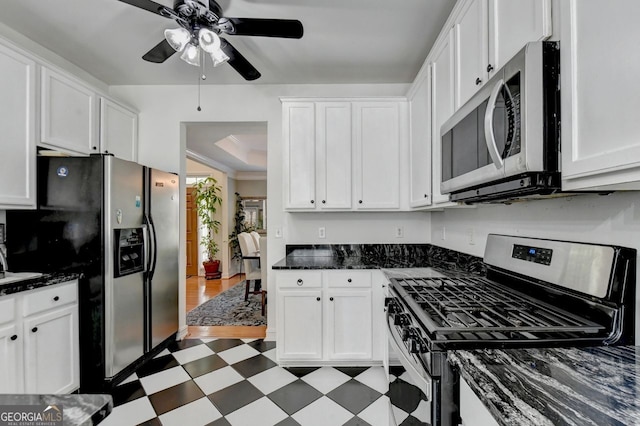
154 256
145 242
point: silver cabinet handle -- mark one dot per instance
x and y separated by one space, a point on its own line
299 281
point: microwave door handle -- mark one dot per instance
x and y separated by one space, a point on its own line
489 136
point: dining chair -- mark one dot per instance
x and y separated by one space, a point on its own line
252 270
256 239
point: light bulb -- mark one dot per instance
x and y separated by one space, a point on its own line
177 38
219 57
191 55
209 41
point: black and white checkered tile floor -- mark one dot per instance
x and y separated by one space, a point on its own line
237 382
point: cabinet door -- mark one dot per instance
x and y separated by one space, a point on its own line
118 130
377 155
299 153
420 145
349 324
442 77
514 23
17 130
333 153
471 38
68 114
11 379
51 339
299 324
600 96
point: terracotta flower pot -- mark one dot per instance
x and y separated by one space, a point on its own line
211 269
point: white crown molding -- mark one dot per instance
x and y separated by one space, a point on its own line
211 163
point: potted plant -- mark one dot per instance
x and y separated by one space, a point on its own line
239 226
207 198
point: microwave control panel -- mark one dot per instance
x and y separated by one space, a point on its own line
532 254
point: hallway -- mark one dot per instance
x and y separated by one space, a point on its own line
199 291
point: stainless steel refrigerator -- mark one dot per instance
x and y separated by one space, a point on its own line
116 223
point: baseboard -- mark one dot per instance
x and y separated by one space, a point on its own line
270 334
182 333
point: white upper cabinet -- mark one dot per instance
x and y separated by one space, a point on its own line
514 23
333 155
471 41
377 155
420 139
490 32
343 155
68 114
17 130
442 94
600 95
118 130
299 150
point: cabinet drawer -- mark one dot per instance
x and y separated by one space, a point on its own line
349 279
7 309
298 279
50 298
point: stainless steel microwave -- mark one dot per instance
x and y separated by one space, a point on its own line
503 144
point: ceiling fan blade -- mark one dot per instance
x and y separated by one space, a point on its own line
160 53
239 62
286 28
149 5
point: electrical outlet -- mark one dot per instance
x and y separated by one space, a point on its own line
443 233
278 232
472 236
321 232
399 232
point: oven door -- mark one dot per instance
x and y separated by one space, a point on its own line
410 386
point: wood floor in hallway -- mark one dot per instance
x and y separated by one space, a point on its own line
199 290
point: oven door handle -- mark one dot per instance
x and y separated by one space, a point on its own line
489 135
424 383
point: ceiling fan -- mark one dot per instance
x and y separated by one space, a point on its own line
201 22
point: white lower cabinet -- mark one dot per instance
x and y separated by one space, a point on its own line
39 342
472 410
326 316
349 326
300 319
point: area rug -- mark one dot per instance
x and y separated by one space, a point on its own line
229 308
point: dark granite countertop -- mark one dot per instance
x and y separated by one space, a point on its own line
33 283
77 409
377 256
557 386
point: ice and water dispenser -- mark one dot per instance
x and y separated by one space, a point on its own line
129 257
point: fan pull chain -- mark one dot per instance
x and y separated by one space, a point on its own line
201 77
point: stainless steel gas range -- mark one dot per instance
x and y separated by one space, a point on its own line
537 292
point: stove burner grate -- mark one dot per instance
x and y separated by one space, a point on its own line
476 308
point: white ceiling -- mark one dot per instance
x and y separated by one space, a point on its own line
345 41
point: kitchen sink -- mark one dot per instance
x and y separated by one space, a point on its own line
12 277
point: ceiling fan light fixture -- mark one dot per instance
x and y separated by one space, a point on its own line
219 57
208 40
177 38
191 55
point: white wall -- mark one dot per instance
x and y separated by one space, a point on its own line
609 219
252 188
162 145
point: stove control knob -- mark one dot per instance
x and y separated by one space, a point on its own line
392 305
416 346
407 332
402 319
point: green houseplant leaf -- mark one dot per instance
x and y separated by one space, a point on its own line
207 198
